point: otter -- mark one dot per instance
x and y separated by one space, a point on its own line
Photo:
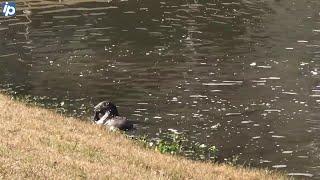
106 113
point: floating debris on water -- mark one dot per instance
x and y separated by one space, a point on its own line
315 95
271 78
289 93
174 99
265 161
233 114
287 152
197 96
265 67
202 146
314 72
174 131
143 103
219 84
303 157
215 90
303 63
224 83
279 166
216 126
301 174
246 122
272 110
258 81
277 136
253 64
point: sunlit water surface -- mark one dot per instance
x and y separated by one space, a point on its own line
241 75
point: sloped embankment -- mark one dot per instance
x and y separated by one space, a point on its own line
38 143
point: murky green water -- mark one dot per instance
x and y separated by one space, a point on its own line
251 65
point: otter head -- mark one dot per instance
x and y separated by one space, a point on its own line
105 110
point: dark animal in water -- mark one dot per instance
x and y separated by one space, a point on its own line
106 113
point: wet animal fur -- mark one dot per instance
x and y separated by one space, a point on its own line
106 113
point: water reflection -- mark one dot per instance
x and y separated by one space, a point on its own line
239 75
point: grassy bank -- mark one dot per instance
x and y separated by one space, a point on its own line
38 143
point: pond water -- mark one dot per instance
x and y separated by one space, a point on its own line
241 75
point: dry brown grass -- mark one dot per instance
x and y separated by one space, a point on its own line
39 144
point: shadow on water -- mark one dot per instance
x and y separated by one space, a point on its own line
249 66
